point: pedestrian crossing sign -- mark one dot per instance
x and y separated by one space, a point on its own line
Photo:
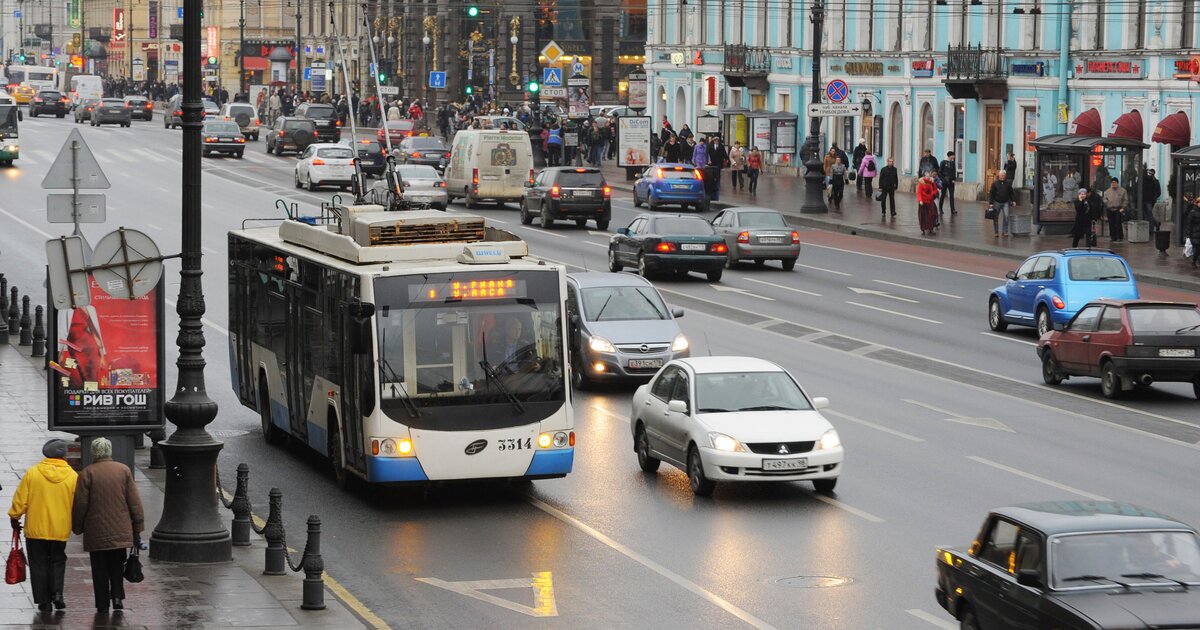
552 77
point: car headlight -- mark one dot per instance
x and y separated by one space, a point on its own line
600 344
680 344
723 442
831 439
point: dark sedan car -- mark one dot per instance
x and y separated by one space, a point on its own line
329 126
370 157
222 136
568 193
1074 565
423 150
140 107
111 111
83 111
1127 343
50 102
758 234
670 242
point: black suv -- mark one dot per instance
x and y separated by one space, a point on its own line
291 134
562 192
49 102
329 127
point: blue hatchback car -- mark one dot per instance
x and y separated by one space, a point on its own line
1050 287
670 183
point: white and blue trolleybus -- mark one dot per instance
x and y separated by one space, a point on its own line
405 346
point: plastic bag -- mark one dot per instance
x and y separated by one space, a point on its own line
1188 248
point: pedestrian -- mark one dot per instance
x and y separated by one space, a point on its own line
867 170
700 153
827 164
837 152
1193 228
670 150
718 158
837 181
685 133
1010 166
1151 191
753 168
275 105
689 147
44 498
859 152
393 112
1001 198
108 512
1081 229
555 143
928 162
1116 202
889 181
948 172
737 166
926 210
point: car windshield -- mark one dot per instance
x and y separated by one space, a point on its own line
335 153
572 179
673 174
1097 268
606 304
425 143
761 219
222 127
234 110
49 95
1137 556
748 391
298 124
417 171
1164 319
682 226
402 125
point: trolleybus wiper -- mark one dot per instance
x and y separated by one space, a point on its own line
399 391
492 377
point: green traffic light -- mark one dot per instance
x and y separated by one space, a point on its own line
382 77
535 87
472 11
470 90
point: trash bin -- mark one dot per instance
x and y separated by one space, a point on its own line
1020 224
1137 231
712 176
1162 240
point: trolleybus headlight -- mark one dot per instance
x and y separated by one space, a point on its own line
560 439
405 446
544 440
388 448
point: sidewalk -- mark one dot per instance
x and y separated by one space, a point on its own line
967 231
222 595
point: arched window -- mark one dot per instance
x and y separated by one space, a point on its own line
927 128
895 149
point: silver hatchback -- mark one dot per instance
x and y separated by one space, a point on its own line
757 234
620 329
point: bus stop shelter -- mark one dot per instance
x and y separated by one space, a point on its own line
1185 181
1065 163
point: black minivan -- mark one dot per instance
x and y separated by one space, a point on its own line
566 192
329 126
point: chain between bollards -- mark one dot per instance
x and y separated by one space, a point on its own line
240 505
277 558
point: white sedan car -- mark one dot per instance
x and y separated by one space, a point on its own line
734 419
325 164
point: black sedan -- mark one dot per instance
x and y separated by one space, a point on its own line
112 111
222 136
140 107
568 193
423 150
370 157
50 102
1074 565
669 242
83 111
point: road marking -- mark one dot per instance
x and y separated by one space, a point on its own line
717 287
203 320
937 621
780 286
125 157
602 245
612 414
842 506
1009 338
889 258
1032 477
840 273
867 423
884 310
494 220
542 231
987 423
905 286
162 189
208 250
153 227
687 584
21 221
597 233
881 294
542 584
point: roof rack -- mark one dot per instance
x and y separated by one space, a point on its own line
1086 249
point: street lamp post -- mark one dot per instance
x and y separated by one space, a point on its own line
191 529
814 175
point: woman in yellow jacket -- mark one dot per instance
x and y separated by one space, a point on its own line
44 498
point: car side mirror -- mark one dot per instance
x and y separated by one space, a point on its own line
1029 578
528 184
624 231
1012 275
820 402
677 313
677 406
360 326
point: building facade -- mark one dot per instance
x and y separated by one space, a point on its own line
981 78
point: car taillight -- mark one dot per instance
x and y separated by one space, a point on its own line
1058 303
440 185
555 192
280 133
210 139
660 173
607 192
665 247
338 123
149 105
530 176
179 112
475 176
126 105
37 100
318 162
698 175
719 248
795 237
743 237
315 135
256 121
239 139
67 100
415 154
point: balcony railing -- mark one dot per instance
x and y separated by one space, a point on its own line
747 60
974 63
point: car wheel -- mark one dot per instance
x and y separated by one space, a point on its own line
256 137
714 275
309 184
650 204
298 184
643 270
731 262
1050 372
1110 381
602 225
637 201
706 206
701 486
60 115
614 265
206 153
995 317
166 125
647 462
526 218
967 620
271 433
468 201
1195 385
240 153
579 378
547 220
825 486
788 264
1043 321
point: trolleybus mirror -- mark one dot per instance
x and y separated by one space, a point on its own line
360 326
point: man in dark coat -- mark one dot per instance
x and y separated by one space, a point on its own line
838 152
859 152
1010 167
927 164
670 150
1082 226
1151 191
889 181
948 171
718 157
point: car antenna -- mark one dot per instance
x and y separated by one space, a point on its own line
583 258
707 346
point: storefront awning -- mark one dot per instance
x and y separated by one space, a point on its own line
1067 143
1175 130
1127 125
256 63
1086 124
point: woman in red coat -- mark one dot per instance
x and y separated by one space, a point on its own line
926 209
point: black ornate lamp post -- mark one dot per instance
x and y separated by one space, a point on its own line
814 175
191 529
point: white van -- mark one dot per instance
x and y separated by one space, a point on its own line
84 87
489 164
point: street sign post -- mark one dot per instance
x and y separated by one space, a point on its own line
834 109
389 90
552 52
75 168
437 80
837 90
638 96
61 208
552 77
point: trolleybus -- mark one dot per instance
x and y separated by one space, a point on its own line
404 346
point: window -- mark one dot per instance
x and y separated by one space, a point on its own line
761 219
1001 545
1085 321
1101 23
681 389
1110 321
898 35
665 385
1026 270
927 127
929 26
1163 320
603 304
682 225
1029 553
1097 268
1139 26
1174 555
1042 269
1187 33
748 391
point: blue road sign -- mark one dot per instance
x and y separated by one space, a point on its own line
308 74
16 13
179 12
552 77
577 68
437 79
837 90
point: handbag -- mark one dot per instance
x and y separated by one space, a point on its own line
990 213
14 571
879 196
133 567
850 176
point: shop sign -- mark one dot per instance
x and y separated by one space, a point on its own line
638 90
1037 69
1187 69
760 130
864 68
783 63
152 22
922 68
1106 69
118 29
214 41
677 58
633 140
712 96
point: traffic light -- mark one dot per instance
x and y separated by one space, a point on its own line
472 10
382 77
534 86
21 56
470 90
212 61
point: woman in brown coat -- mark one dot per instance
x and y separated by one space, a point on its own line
108 512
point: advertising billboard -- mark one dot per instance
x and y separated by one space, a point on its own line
633 140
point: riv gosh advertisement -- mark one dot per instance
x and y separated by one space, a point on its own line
107 368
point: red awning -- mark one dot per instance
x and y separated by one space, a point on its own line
1086 124
1127 125
262 63
1175 130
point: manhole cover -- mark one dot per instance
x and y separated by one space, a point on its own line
813 581
228 433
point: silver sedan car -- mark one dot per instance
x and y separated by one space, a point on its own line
757 234
620 329
422 185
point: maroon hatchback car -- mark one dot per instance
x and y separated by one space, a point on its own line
1126 343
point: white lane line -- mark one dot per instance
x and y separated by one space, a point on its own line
162 189
36 230
905 286
901 260
125 157
840 273
602 245
780 286
611 414
937 621
882 294
987 423
867 423
842 506
1009 338
208 250
884 310
153 227
542 231
1032 477
678 579
494 220
717 287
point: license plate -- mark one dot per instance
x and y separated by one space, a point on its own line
681 186
785 464
421 199
645 363
693 247
1177 352
585 193
771 240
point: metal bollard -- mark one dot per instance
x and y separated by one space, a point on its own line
14 311
276 555
26 324
158 461
3 307
314 568
39 332
240 505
